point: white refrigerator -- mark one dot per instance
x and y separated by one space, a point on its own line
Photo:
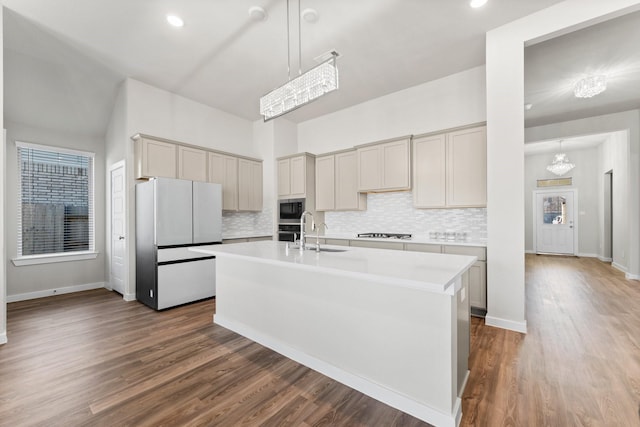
173 215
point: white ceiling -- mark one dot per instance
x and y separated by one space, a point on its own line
73 53
568 144
553 67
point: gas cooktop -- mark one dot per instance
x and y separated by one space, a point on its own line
385 235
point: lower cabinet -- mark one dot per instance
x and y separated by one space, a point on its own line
478 285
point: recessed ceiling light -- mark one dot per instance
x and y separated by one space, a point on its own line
257 13
477 3
175 21
310 15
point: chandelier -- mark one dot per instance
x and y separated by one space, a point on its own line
560 164
303 89
590 86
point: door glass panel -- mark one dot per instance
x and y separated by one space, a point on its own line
554 210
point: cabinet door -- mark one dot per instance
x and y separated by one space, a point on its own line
478 285
298 176
192 164
325 183
396 165
224 170
369 168
467 168
346 183
158 159
429 172
284 178
249 185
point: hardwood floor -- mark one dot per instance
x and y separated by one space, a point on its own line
90 359
579 363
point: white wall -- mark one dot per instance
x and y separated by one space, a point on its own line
156 112
455 100
626 181
614 155
585 180
505 148
42 279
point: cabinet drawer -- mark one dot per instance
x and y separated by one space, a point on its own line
378 245
417 247
477 251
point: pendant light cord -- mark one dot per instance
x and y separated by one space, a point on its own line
299 40
288 45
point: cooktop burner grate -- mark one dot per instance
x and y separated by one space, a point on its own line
385 235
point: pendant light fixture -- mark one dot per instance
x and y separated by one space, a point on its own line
303 89
560 164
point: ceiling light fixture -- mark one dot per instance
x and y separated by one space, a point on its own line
560 164
477 3
256 13
307 87
590 86
175 21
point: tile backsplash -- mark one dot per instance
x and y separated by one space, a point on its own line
394 213
244 224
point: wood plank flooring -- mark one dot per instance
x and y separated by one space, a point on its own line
91 359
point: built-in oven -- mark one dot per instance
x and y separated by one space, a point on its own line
288 232
290 210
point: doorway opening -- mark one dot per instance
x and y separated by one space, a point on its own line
555 222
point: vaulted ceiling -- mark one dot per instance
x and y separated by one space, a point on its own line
64 58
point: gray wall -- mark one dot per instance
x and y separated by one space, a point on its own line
585 180
46 277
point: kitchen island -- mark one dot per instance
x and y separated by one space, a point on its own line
393 325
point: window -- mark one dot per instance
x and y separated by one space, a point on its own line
56 215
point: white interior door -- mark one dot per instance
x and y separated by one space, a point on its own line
555 227
117 230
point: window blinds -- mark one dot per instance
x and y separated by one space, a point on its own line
56 200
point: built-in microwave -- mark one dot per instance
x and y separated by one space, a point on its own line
290 210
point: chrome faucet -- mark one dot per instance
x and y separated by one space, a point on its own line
318 234
302 223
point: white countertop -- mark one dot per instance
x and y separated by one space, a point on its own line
421 239
418 270
245 235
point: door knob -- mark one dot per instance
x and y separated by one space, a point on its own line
120 237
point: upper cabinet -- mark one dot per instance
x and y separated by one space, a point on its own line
384 166
337 182
223 169
249 185
429 171
240 177
192 164
450 169
467 167
325 183
295 175
155 158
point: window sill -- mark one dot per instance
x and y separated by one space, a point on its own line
52 258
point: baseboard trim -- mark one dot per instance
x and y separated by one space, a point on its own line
3 338
619 267
55 291
384 395
588 255
129 297
630 276
506 324
529 251
604 259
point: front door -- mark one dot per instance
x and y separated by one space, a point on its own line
117 269
555 226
